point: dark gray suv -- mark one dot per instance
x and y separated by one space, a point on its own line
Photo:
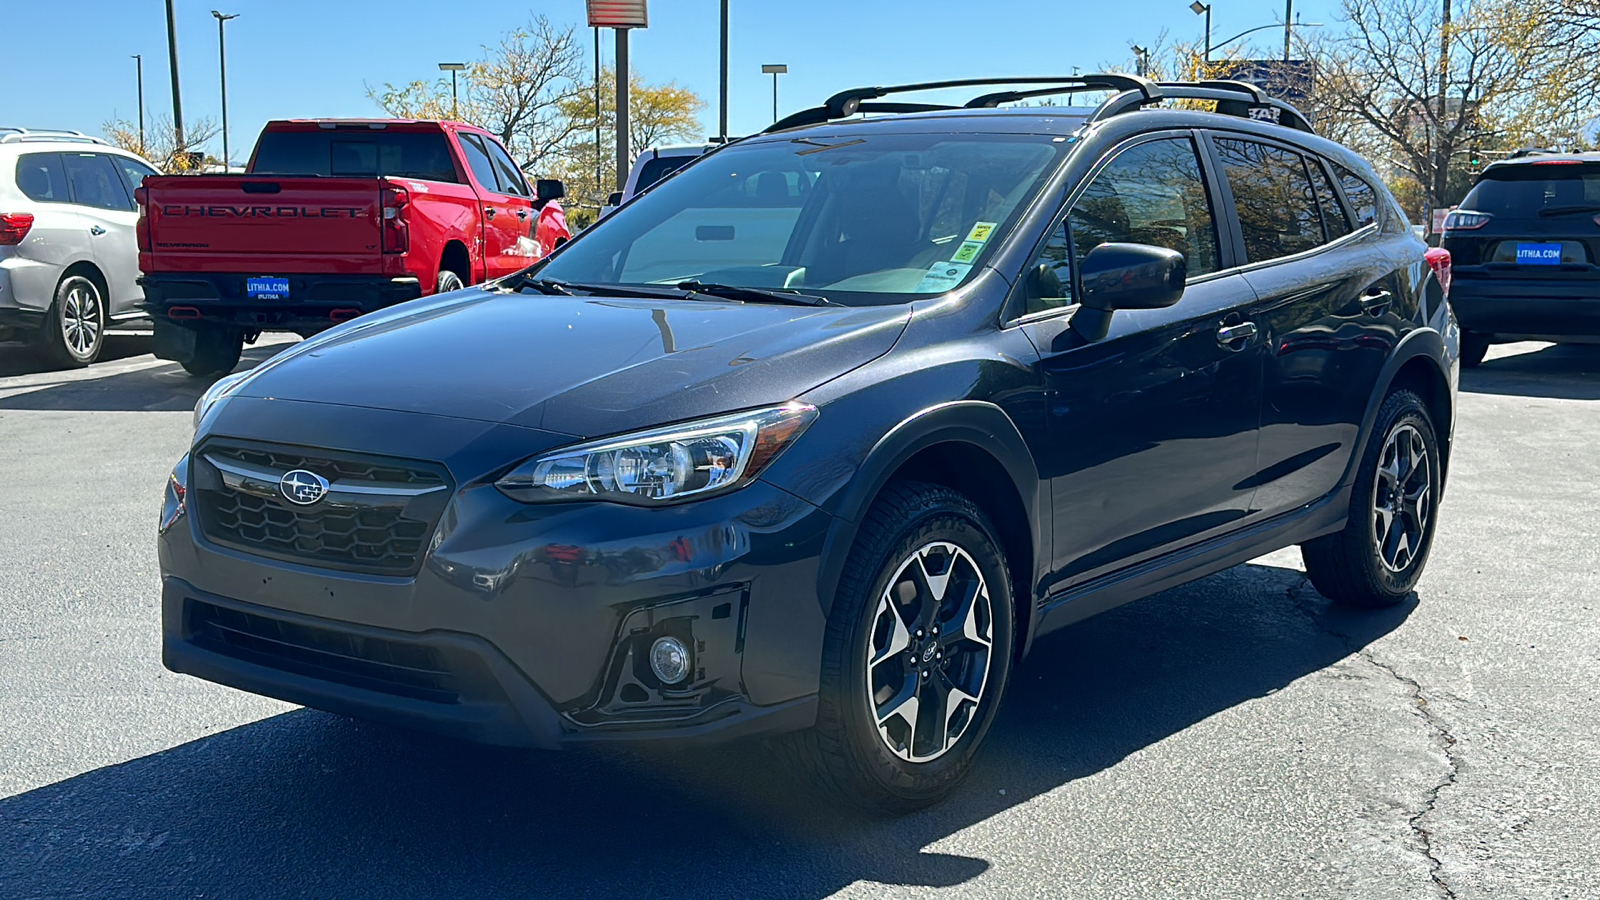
816 437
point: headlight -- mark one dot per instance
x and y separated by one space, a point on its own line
222 388
174 502
663 464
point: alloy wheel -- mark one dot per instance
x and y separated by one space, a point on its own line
1402 498
928 654
80 318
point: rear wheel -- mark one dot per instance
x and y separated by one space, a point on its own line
1378 557
448 281
75 329
918 652
216 352
1473 348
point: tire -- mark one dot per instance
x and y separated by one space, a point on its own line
1378 557
1473 348
912 530
216 352
448 281
74 331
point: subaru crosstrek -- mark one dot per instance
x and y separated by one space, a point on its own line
820 434
1525 243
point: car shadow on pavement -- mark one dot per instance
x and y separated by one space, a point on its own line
17 358
306 804
1557 371
116 382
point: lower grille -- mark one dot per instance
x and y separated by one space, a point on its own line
374 664
376 518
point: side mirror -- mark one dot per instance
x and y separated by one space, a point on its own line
546 189
614 198
1126 276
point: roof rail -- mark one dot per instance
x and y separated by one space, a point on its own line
1234 98
1529 151
859 100
1132 92
11 135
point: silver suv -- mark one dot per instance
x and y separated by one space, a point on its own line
69 256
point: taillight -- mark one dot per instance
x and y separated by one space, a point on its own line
1465 220
141 196
396 231
1439 261
14 227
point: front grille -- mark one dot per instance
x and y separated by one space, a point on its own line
375 664
378 525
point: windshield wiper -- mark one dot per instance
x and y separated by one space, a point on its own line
1573 209
757 295
543 286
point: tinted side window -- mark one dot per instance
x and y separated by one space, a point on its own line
1334 220
1150 193
659 168
1363 199
94 182
40 178
1273 196
510 176
482 166
134 170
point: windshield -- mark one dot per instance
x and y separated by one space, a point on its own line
858 220
1527 190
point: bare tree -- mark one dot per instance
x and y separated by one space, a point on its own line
159 146
517 90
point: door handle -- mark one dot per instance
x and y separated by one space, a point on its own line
1376 302
1234 336
488 212
96 230
522 214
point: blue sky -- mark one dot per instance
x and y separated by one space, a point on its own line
297 58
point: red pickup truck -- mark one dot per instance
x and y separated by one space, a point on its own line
333 218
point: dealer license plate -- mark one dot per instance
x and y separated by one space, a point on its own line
1538 254
266 288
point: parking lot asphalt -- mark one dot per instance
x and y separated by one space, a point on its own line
1235 737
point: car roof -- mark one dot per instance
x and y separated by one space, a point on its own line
1534 157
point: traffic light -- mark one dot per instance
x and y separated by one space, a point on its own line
1472 157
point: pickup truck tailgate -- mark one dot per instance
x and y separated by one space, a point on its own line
262 224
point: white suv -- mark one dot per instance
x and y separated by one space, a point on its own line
69 255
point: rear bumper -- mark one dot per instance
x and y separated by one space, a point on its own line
315 301
1527 307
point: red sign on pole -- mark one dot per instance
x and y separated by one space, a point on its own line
618 14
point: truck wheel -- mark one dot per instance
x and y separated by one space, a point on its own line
216 352
448 281
1473 348
75 329
917 654
1378 557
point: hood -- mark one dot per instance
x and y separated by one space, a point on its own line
583 366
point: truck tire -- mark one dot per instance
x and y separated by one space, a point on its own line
448 281
75 328
216 352
902 706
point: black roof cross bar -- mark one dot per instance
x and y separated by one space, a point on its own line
1234 98
847 103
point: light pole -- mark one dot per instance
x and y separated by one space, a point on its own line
138 62
455 101
1204 9
775 69
222 61
1220 44
722 119
177 99
1142 54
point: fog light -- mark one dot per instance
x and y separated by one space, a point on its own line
669 659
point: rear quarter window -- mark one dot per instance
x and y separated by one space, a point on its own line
41 179
1363 197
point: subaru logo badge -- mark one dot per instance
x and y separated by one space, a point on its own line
303 488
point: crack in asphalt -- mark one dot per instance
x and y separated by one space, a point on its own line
1419 701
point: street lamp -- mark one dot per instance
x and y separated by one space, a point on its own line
1204 9
222 61
138 62
455 101
775 69
1220 44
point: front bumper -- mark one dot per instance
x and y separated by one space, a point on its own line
522 624
1527 307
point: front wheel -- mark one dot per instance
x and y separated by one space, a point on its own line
918 652
1378 557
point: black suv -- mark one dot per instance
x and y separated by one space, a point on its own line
821 433
1525 248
